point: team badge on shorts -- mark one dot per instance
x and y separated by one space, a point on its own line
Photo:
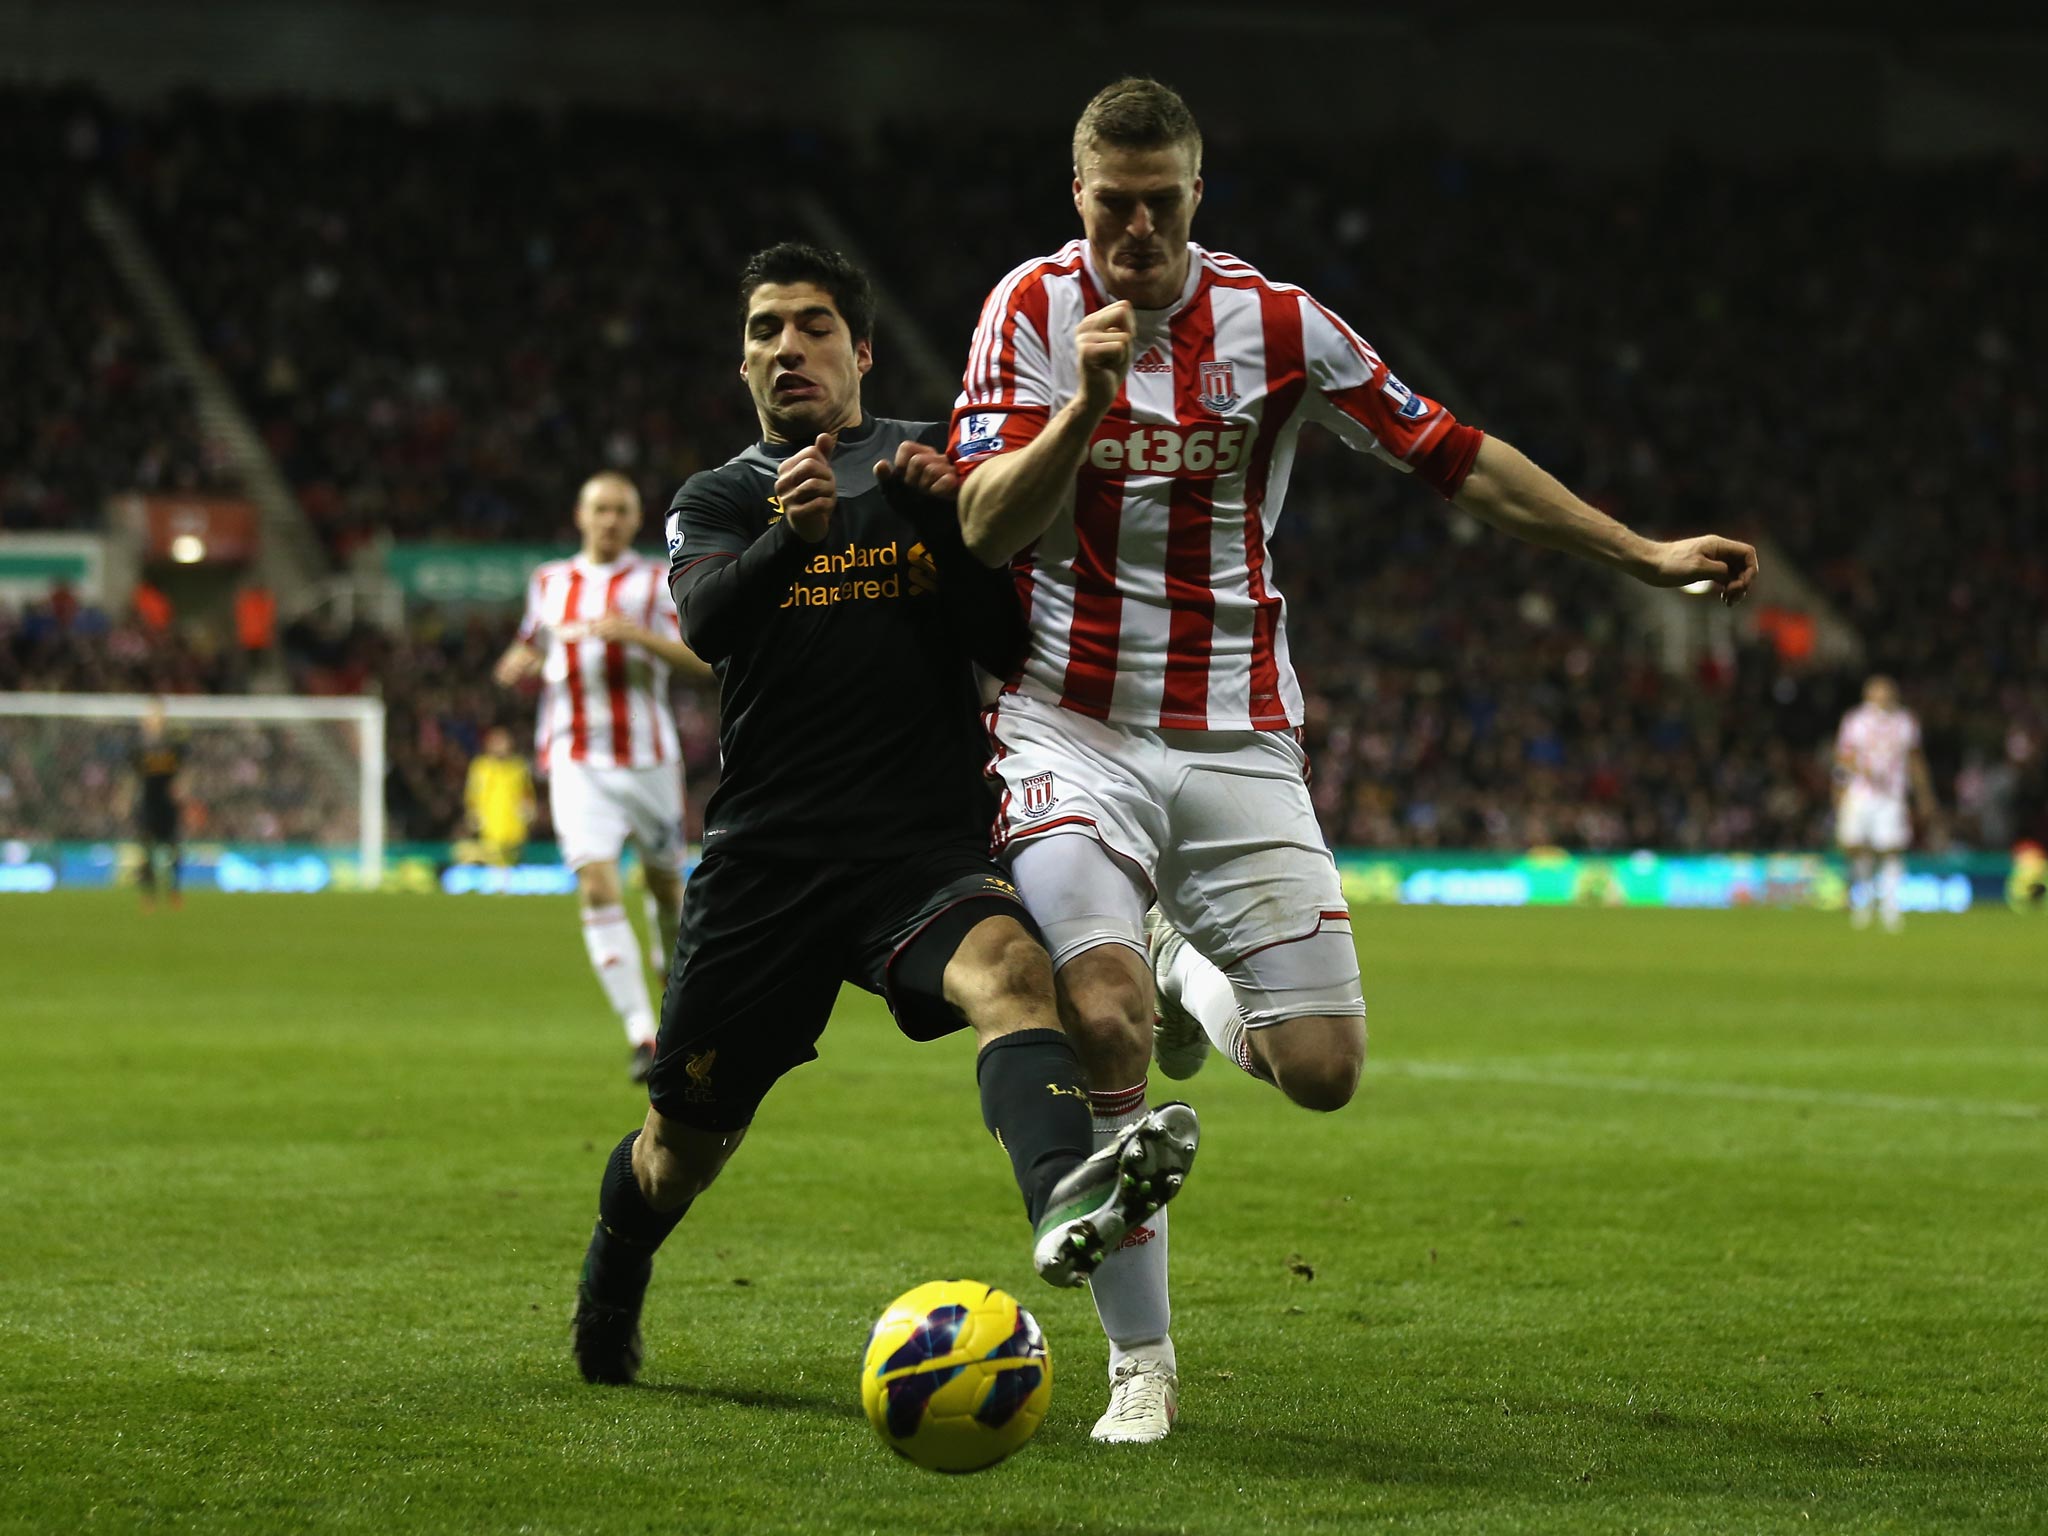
1038 794
1219 387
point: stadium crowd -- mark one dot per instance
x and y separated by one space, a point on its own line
441 321
88 405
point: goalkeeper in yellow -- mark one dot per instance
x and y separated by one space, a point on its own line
500 800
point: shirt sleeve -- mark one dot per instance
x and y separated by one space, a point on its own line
665 620
1353 393
1007 396
534 620
726 579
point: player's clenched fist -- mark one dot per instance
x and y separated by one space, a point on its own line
807 489
921 468
1103 344
1729 564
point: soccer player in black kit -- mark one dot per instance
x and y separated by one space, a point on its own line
157 762
822 574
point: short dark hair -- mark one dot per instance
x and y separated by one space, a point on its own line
793 261
1137 113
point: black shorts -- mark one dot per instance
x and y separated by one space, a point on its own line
765 945
159 823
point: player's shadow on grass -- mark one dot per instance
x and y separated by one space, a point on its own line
830 1404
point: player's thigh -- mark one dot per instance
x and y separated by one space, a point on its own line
945 941
590 824
1057 772
1091 907
1082 894
652 799
756 970
1891 830
1251 884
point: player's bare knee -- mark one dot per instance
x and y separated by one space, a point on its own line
664 885
1106 1009
597 883
1316 1062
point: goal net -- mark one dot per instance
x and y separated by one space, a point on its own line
258 771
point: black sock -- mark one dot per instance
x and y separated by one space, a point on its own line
621 1256
146 875
1034 1100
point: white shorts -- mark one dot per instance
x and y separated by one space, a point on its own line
1876 822
1215 826
597 809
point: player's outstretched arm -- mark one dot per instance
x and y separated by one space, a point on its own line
1013 498
1505 488
617 627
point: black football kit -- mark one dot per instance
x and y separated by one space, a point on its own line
848 836
157 764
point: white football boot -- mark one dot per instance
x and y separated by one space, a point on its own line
1178 1042
1144 1400
1113 1190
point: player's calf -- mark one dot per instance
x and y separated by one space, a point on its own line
649 1182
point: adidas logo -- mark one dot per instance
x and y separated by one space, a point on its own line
1154 361
1137 1237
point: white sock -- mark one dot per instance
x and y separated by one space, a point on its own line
1130 1287
1198 986
1889 874
1860 871
661 932
615 956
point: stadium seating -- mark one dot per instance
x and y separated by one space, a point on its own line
441 321
88 406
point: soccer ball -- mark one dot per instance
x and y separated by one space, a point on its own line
956 1376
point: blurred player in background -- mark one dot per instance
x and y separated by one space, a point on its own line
1124 436
1877 758
157 764
499 797
601 634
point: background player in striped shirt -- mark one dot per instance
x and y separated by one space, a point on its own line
601 634
1877 757
1124 434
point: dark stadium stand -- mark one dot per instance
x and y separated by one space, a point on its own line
88 407
441 321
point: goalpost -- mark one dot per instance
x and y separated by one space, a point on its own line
261 768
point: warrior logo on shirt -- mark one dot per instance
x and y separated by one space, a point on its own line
1219 387
1038 794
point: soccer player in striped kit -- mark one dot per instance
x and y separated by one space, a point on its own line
601 634
1877 759
1124 436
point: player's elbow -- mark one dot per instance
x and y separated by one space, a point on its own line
704 636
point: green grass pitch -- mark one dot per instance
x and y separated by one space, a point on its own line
1643 1221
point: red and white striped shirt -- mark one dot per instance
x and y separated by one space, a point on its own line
1151 598
601 703
1874 748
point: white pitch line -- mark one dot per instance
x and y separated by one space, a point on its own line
1765 1093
